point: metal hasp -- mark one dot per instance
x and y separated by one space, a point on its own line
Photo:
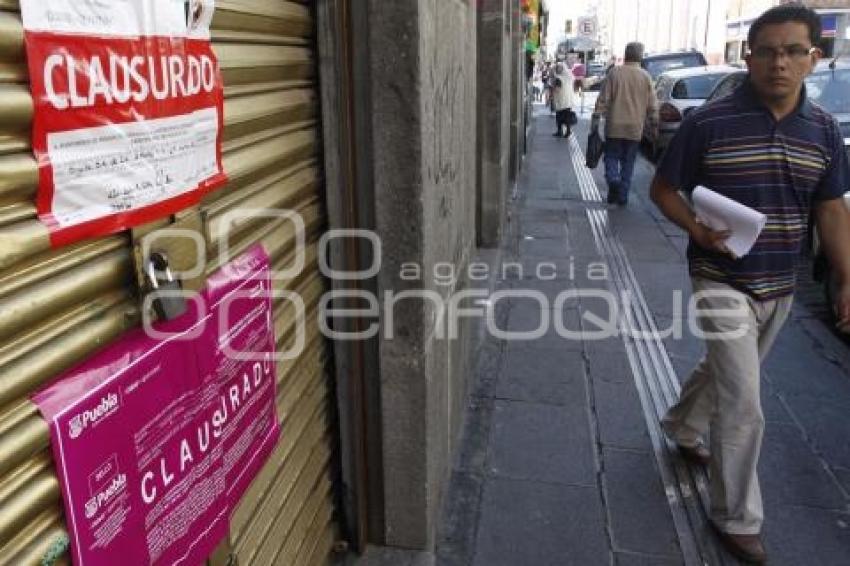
168 301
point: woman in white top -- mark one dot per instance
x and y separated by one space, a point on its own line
564 98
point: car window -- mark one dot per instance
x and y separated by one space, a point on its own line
656 67
728 85
830 89
696 87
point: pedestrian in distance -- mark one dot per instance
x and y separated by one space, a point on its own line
563 98
627 102
579 71
548 79
768 147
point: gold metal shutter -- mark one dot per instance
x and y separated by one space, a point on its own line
57 307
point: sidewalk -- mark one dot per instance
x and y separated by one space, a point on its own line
562 461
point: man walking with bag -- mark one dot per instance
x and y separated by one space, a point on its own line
769 148
626 101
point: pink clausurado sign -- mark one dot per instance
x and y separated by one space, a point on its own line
156 439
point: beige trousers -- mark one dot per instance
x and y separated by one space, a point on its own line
722 397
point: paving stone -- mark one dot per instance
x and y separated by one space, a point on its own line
382 556
610 366
833 347
528 314
796 536
666 288
542 442
600 335
657 249
792 474
619 415
800 373
681 343
793 336
633 483
680 243
542 376
582 238
487 368
484 386
683 366
536 268
551 289
628 559
843 476
545 230
773 409
459 525
630 223
544 204
592 273
545 249
668 228
539 524
600 321
563 331
475 440
827 426
531 215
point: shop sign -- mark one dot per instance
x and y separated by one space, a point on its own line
128 104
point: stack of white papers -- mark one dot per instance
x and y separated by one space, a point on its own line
721 213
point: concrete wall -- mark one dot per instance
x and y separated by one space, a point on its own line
517 80
494 111
422 76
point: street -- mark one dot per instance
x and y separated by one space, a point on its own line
563 460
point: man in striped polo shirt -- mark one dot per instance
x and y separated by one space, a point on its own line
769 148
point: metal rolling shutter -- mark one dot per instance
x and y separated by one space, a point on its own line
57 307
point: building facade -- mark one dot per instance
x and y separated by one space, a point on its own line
835 23
662 25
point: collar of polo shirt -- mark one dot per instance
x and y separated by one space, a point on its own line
747 99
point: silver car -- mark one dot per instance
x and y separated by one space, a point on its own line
679 92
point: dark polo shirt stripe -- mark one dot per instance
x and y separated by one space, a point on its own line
735 146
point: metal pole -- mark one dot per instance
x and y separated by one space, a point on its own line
582 83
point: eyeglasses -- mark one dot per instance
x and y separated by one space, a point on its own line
794 52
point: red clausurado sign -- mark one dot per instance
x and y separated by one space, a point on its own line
157 439
128 115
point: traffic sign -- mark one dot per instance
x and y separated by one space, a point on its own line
586 27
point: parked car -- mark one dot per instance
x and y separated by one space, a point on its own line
659 63
829 86
595 74
678 93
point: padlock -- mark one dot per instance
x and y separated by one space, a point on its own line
160 278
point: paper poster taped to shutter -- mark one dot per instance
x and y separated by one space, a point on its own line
156 440
128 117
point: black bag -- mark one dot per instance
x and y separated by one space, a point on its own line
572 118
558 83
595 148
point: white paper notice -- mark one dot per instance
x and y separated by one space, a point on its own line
721 213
